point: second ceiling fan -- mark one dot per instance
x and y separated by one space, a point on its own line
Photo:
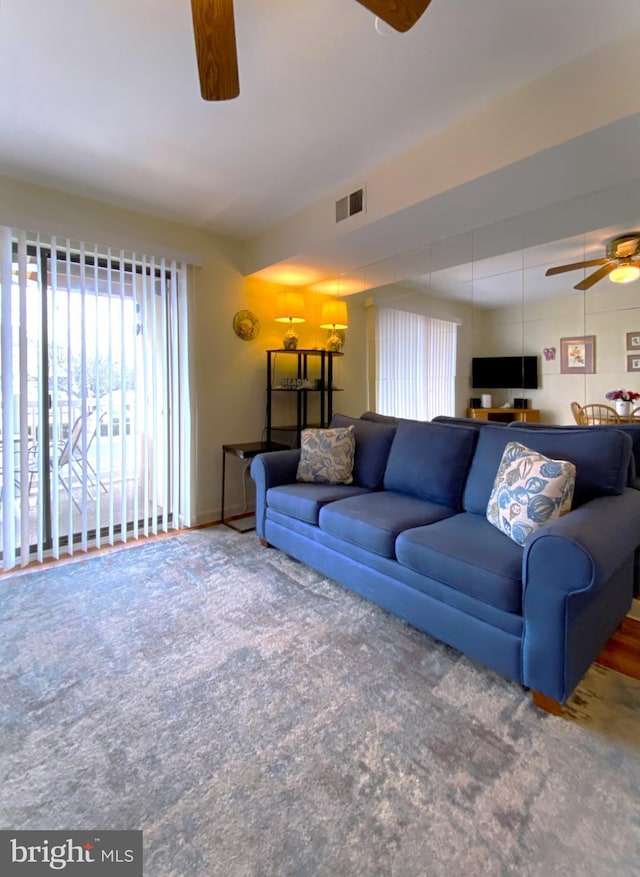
618 263
215 37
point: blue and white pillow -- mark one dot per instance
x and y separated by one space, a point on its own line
326 455
529 491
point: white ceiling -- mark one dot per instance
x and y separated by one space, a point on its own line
101 98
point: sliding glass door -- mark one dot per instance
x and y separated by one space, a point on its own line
94 398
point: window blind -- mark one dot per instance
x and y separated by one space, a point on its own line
415 364
95 409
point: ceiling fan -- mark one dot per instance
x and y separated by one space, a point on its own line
618 264
215 38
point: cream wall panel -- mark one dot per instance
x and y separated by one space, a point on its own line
570 306
607 296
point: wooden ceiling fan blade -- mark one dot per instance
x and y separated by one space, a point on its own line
215 37
589 281
398 14
591 263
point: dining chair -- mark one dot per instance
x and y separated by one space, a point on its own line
635 414
576 410
595 415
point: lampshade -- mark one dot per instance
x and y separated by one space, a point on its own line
290 307
334 315
626 272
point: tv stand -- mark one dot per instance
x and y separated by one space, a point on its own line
505 415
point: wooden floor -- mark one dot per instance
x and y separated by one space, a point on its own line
622 652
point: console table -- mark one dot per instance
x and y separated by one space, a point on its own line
505 415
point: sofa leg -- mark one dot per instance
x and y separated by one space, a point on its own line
548 704
264 543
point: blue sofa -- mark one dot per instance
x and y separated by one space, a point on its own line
410 533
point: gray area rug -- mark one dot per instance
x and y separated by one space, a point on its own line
254 718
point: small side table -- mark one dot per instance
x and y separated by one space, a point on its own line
245 451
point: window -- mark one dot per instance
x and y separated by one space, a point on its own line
94 396
415 365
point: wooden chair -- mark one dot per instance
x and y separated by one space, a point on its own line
636 414
576 410
595 415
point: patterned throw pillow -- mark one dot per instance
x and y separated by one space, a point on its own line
529 490
326 455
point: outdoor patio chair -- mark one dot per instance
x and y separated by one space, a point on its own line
73 456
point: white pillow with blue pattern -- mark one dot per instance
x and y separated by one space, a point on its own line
326 455
529 491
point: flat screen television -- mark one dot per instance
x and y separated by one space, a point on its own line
506 372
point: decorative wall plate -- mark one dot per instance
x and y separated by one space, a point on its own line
246 325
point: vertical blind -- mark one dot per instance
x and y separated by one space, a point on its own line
415 364
95 411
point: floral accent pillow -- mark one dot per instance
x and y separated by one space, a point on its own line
326 455
529 491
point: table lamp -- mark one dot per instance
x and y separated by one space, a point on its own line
290 309
333 317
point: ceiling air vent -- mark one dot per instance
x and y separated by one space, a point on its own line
350 205
356 202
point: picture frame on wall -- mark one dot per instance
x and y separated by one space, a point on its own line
633 342
578 355
633 362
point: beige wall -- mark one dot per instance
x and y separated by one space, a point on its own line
228 374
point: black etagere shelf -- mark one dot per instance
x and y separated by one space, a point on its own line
314 377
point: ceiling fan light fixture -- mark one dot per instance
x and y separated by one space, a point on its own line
626 272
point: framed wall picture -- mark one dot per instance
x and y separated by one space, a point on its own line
633 362
578 355
633 342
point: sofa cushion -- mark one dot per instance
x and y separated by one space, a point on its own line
430 461
326 455
304 501
601 457
373 441
373 521
466 553
529 491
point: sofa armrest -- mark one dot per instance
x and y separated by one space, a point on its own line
270 470
577 578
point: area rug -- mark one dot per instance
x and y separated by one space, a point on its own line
255 718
